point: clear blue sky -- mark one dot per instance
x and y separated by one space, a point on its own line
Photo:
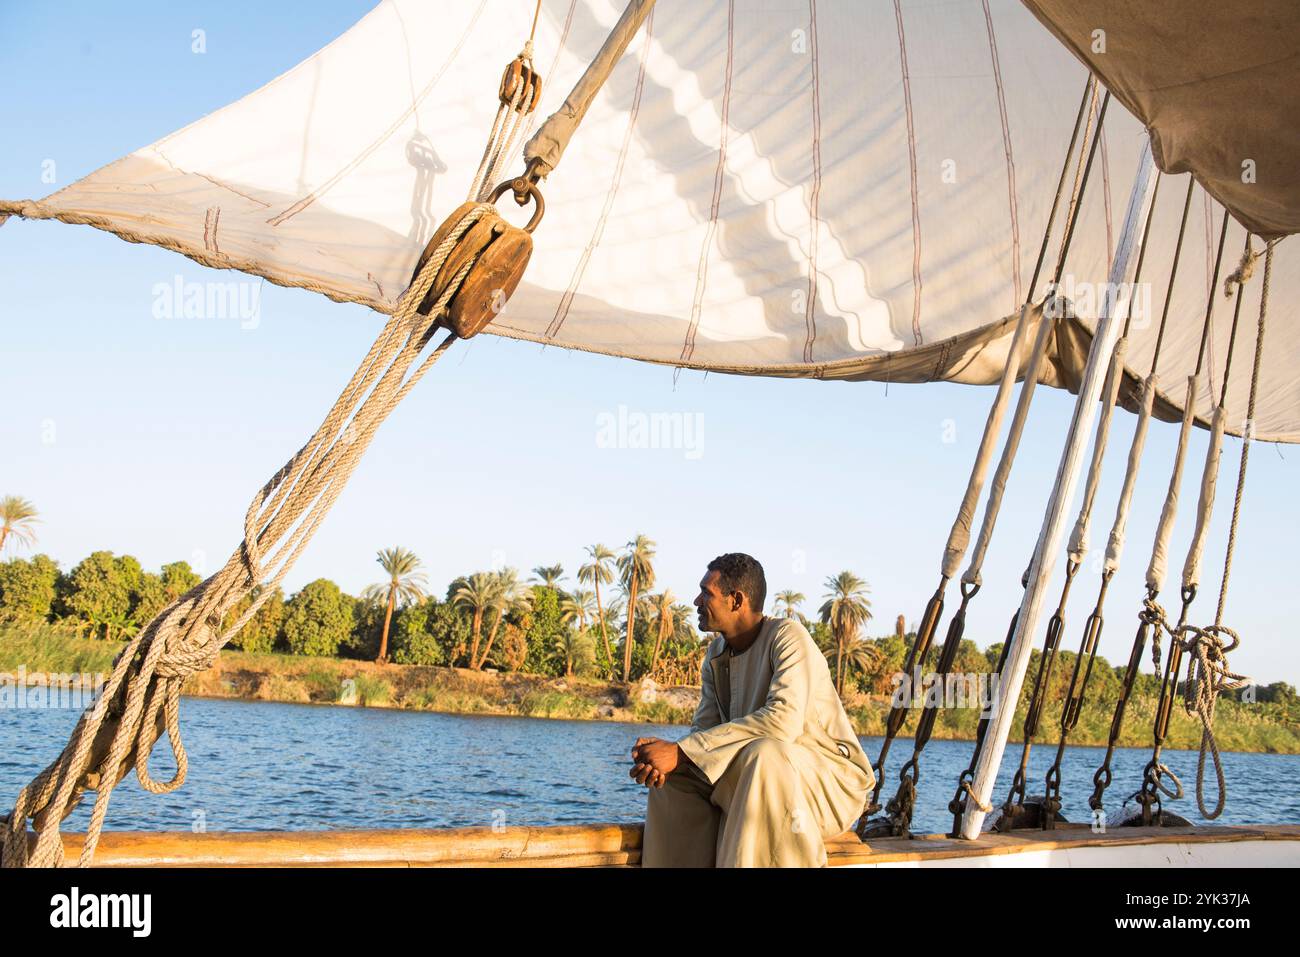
162 430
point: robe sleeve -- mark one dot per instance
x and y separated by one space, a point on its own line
707 714
781 717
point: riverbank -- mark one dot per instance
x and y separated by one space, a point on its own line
1260 727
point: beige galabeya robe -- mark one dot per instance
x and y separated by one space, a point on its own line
778 767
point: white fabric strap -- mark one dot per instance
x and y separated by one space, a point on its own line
1078 546
959 538
1046 327
1164 529
547 145
1209 479
1115 544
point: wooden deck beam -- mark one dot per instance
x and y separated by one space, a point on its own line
598 845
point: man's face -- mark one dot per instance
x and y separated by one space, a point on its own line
718 611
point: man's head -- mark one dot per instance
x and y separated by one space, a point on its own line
732 593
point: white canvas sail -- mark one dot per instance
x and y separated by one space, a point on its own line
823 188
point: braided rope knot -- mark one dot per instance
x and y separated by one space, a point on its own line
194 652
1154 615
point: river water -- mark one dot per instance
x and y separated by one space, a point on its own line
271 766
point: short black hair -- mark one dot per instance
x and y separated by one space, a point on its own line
740 572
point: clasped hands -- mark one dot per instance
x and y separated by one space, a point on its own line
653 759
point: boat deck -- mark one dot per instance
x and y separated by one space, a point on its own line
619 845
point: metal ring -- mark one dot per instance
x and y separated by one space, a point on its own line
525 188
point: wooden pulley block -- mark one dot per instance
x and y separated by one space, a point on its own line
518 78
500 253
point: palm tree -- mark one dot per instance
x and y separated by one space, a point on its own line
791 600
664 610
613 612
577 607
509 595
16 517
683 630
636 572
404 584
549 575
846 610
863 656
573 646
598 572
477 593
126 625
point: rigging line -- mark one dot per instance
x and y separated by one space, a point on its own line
1014 809
1173 271
994 501
1156 567
1091 96
1232 336
1142 252
1207 672
1247 434
1151 618
959 537
1060 185
1152 785
1209 305
1210 471
537 13
1077 203
1079 679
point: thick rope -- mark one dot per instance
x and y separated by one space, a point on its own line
959 536
500 145
1078 169
1208 673
1207 647
1115 542
993 503
1156 568
1210 475
142 695
1077 549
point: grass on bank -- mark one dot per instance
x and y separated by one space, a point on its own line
1260 727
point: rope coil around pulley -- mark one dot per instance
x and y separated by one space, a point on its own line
899 810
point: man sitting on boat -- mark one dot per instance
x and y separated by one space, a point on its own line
772 765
